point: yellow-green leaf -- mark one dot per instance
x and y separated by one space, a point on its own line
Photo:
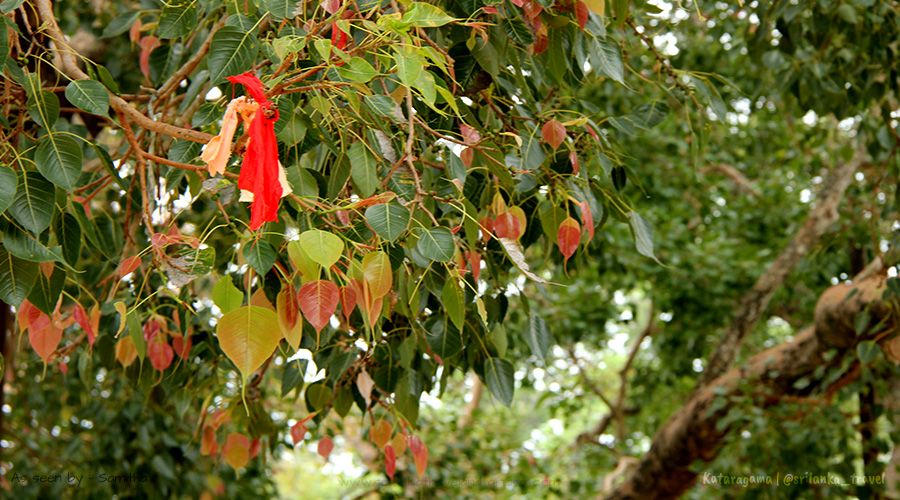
322 247
248 336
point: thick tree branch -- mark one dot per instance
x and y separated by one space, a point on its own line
739 179
69 66
692 433
754 303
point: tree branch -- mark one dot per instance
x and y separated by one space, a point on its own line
754 303
693 433
69 66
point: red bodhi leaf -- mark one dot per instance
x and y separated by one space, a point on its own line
182 345
380 433
29 315
260 167
127 266
487 227
587 218
573 159
567 237
331 6
541 44
44 336
348 300
467 155
160 353
470 134
419 453
236 450
318 301
390 461
475 263
81 318
581 13
134 34
148 43
325 446
507 226
298 432
208 444
338 37
254 448
553 133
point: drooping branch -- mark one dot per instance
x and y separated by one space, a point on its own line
693 434
617 409
754 303
68 63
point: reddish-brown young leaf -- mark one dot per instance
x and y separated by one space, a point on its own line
487 227
348 299
467 155
371 308
47 268
474 263
236 450
81 318
380 433
63 368
298 432
587 218
148 43
151 329
581 13
399 443
318 301
127 266
28 315
254 447
219 418
470 134
568 236
289 319
553 133
343 216
182 345
160 353
390 461
338 38
419 453
331 6
573 159
325 446
507 226
126 352
540 44
44 336
208 444
134 34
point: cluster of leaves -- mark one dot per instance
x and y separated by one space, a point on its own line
431 155
440 155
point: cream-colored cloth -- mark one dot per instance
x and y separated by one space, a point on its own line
218 150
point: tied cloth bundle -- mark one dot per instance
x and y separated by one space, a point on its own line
262 180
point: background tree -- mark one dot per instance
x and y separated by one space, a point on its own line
567 206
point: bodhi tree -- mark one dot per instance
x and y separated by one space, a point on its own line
233 227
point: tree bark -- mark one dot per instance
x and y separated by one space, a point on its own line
692 432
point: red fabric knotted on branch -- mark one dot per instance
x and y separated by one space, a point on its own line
259 170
